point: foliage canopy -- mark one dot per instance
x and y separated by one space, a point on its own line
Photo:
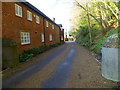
93 22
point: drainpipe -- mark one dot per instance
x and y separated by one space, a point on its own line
44 31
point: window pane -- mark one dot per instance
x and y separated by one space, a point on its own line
52 26
29 15
42 37
21 35
50 37
37 20
18 10
25 38
46 23
23 41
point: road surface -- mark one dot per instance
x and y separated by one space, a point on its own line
67 66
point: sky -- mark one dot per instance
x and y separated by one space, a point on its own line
58 9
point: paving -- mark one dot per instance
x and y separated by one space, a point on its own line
66 66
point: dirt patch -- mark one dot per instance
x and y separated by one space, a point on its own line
86 72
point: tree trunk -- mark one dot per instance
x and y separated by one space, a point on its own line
101 20
90 35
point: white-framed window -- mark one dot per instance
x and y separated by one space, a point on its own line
52 26
25 38
43 39
61 28
46 23
29 15
37 19
18 10
50 37
61 37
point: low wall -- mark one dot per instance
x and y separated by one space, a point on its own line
10 57
111 63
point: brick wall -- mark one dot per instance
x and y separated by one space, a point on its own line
0 19
14 25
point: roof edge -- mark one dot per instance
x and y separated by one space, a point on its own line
29 5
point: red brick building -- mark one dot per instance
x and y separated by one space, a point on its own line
27 25
61 33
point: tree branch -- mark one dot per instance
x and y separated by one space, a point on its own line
110 9
78 4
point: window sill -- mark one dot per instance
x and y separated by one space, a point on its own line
18 16
25 44
37 23
29 20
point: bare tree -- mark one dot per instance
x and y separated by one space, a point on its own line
103 22
90 34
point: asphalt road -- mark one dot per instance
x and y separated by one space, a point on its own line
63 67
68 66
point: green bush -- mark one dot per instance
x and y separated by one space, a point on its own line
85 41
34 51
28 54
25 56
98 45
55 45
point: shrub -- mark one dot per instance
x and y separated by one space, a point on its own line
98 45
85 41
55 45
25 56
33 51
28 54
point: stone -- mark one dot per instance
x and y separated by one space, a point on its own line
112 42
